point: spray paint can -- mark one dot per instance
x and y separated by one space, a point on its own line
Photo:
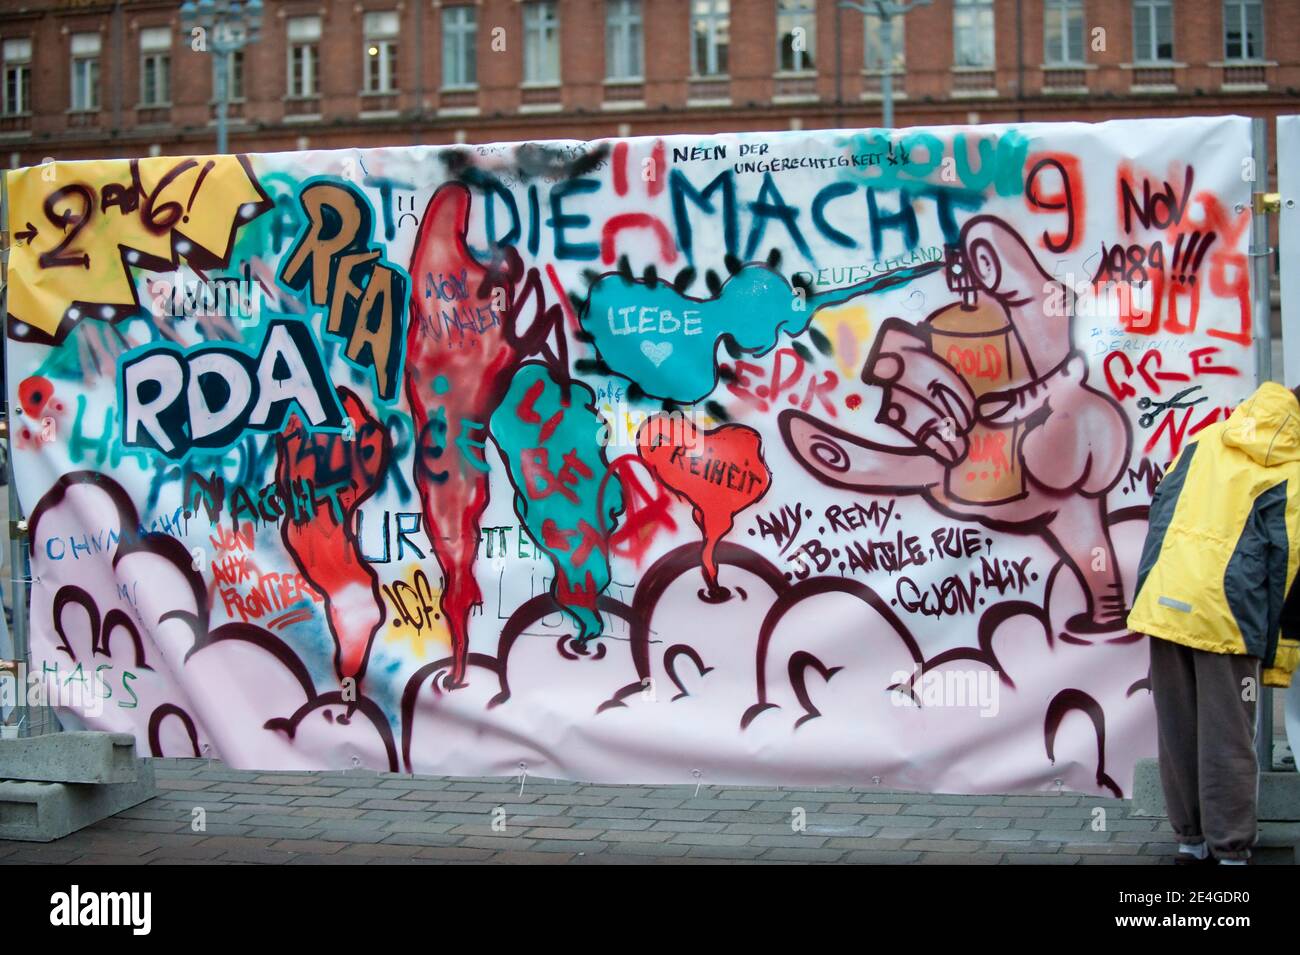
975 336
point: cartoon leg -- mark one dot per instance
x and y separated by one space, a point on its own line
1078 532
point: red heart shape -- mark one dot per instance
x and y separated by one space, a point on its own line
720 472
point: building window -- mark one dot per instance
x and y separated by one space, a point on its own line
623 43
85 72
1243 30
972 33
710 31
873 44
541 43
155 66
304 57
1153 31
381 52
234 76
459 47
1063 33
796 32
18 77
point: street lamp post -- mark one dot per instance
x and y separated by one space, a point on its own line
222 27
886 10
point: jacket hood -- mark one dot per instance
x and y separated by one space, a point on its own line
1266 426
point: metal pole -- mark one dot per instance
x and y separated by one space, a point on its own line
1261 259
1261 262
17 552
839 66
885 11
221 80
232 27
18 571
1020 61
887 68
119 61
417 58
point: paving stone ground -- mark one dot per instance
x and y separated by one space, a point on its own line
365 817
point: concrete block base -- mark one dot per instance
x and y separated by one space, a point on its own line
1279 844
1148 794
1279 811
32 811
83 757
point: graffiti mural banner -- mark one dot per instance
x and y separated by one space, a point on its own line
806 457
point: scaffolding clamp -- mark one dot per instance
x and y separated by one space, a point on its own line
1266 203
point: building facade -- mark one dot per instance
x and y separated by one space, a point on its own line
90 78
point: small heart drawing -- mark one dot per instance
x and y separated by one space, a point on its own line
657 352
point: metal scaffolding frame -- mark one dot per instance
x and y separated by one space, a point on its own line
30 721
1261 268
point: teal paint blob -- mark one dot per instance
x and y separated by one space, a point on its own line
667 342
558 469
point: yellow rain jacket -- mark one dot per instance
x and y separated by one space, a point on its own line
1219 565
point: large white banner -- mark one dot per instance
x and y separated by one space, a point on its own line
816 457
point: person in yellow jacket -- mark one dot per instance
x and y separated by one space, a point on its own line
1216 593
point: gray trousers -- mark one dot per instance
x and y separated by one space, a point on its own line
1205 714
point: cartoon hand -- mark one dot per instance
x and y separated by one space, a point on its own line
924 397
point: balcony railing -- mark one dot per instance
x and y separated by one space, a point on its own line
539 98
796 87
624 93
872 84
1154 77
458 101
379 104
709 89
974 83
1252 75
301 106
153 115
234 109
1057 79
